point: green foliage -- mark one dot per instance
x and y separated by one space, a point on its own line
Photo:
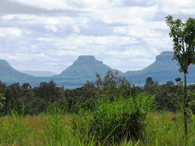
183 35
113 84
191 100
149 80
117 120
178 79
168 96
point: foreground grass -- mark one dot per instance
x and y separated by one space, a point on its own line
168 129
35 130
162 129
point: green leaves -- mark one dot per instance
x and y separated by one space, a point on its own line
117 120
183 35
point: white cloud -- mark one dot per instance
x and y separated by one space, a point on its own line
137 31
177 7
188 10
52 20
176 3
24 57
41 55
155 25
8 17
67 52
127 15
134 59
76 29
161 42
106 28
7 31
93 40
68 47
51 27
44 39
46 20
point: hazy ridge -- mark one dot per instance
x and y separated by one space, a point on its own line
86 66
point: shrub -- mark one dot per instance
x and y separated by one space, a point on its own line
117 120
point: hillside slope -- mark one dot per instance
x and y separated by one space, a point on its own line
10 75
83 69
162 70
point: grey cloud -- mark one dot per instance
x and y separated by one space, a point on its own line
10 7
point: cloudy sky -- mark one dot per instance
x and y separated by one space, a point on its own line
49 35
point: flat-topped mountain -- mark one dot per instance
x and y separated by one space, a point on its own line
162 70
85 67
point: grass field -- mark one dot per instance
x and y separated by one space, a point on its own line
122 122
162 129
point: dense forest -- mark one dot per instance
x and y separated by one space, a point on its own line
33 101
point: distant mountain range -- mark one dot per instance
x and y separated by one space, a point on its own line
85 68
39 73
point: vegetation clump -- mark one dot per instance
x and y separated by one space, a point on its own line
118 120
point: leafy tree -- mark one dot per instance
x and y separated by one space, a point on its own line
49 91
113 84
149 80
183 35
170 83
178 79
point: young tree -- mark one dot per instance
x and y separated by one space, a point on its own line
183 35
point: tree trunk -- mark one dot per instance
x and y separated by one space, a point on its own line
185 106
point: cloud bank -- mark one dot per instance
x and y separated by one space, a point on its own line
49 35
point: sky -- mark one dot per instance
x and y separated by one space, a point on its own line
49 35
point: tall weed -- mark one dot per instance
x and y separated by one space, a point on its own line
117 120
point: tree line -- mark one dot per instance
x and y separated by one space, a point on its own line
25 99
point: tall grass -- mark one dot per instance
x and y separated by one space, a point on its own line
117 120
122 122
48 129
167 128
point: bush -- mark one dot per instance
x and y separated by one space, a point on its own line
117 120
